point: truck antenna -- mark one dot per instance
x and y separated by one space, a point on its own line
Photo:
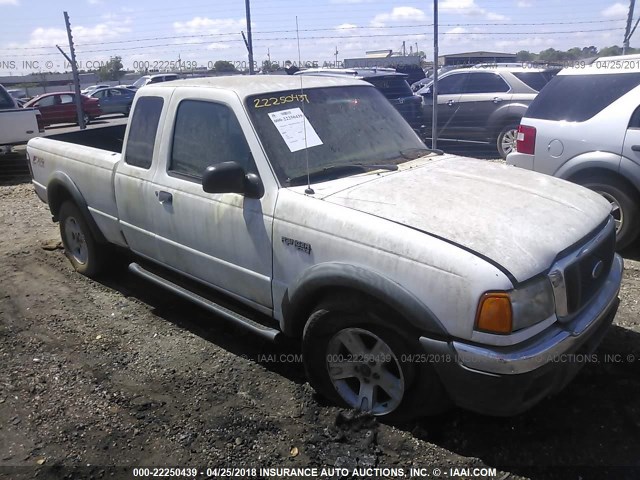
308 190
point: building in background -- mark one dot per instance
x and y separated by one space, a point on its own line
473 58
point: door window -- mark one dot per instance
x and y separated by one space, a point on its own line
66 99
485 83
452 84
114 93
635 119
46 101
206 134
142 132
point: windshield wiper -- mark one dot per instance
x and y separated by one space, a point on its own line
345 167
413 153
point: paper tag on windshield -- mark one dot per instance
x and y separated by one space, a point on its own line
292 125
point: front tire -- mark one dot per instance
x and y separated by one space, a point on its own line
506 140
364 360
80 247
625 206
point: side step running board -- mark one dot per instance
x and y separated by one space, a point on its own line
240 320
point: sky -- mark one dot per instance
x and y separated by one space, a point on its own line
198 33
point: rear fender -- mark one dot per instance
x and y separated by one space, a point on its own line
60 188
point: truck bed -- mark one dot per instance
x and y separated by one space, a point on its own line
107 138
72 153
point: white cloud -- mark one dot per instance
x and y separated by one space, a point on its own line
218 46
616 10
496 17
205 25
9 2
94 2
524 4
346 26
45 37
469 7
405 14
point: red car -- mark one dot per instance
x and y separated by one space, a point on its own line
61 108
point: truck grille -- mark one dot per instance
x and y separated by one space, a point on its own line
577 277
585 277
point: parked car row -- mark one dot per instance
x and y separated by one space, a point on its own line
479 105
483 105
97 100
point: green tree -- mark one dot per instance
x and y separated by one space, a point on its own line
112 70
611 51
590 51
268 66
525 56
223 66
574 53
549 55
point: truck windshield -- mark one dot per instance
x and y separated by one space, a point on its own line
344 126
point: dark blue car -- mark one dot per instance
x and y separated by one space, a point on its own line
114 99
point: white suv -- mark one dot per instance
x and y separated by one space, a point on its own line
584 127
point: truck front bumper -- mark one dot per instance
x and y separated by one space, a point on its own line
509 380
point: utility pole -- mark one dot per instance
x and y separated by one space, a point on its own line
404 49
74 69
434 89
336 55
628 32
249 41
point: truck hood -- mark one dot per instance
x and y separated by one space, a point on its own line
518 219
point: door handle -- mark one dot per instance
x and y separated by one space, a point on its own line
451 103
497 99
164 197
635 148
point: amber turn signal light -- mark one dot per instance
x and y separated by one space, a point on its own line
494 313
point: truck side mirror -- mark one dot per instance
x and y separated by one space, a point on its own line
230 177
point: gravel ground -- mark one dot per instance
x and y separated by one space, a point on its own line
115 372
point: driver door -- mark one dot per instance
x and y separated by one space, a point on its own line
223 240
450 88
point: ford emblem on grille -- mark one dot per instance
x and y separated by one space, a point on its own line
597 269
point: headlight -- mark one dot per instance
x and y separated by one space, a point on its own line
507 312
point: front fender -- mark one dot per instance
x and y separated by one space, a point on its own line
302 295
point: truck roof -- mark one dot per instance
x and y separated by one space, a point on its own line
256 84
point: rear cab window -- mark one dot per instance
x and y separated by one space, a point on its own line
143 131
577 98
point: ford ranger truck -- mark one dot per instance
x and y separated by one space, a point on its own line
308 208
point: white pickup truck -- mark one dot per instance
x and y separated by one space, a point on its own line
313 211
17 125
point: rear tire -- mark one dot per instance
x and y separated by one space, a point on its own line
87 118
81 248
364 360
625 205
506 140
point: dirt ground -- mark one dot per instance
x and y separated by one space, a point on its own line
116 372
